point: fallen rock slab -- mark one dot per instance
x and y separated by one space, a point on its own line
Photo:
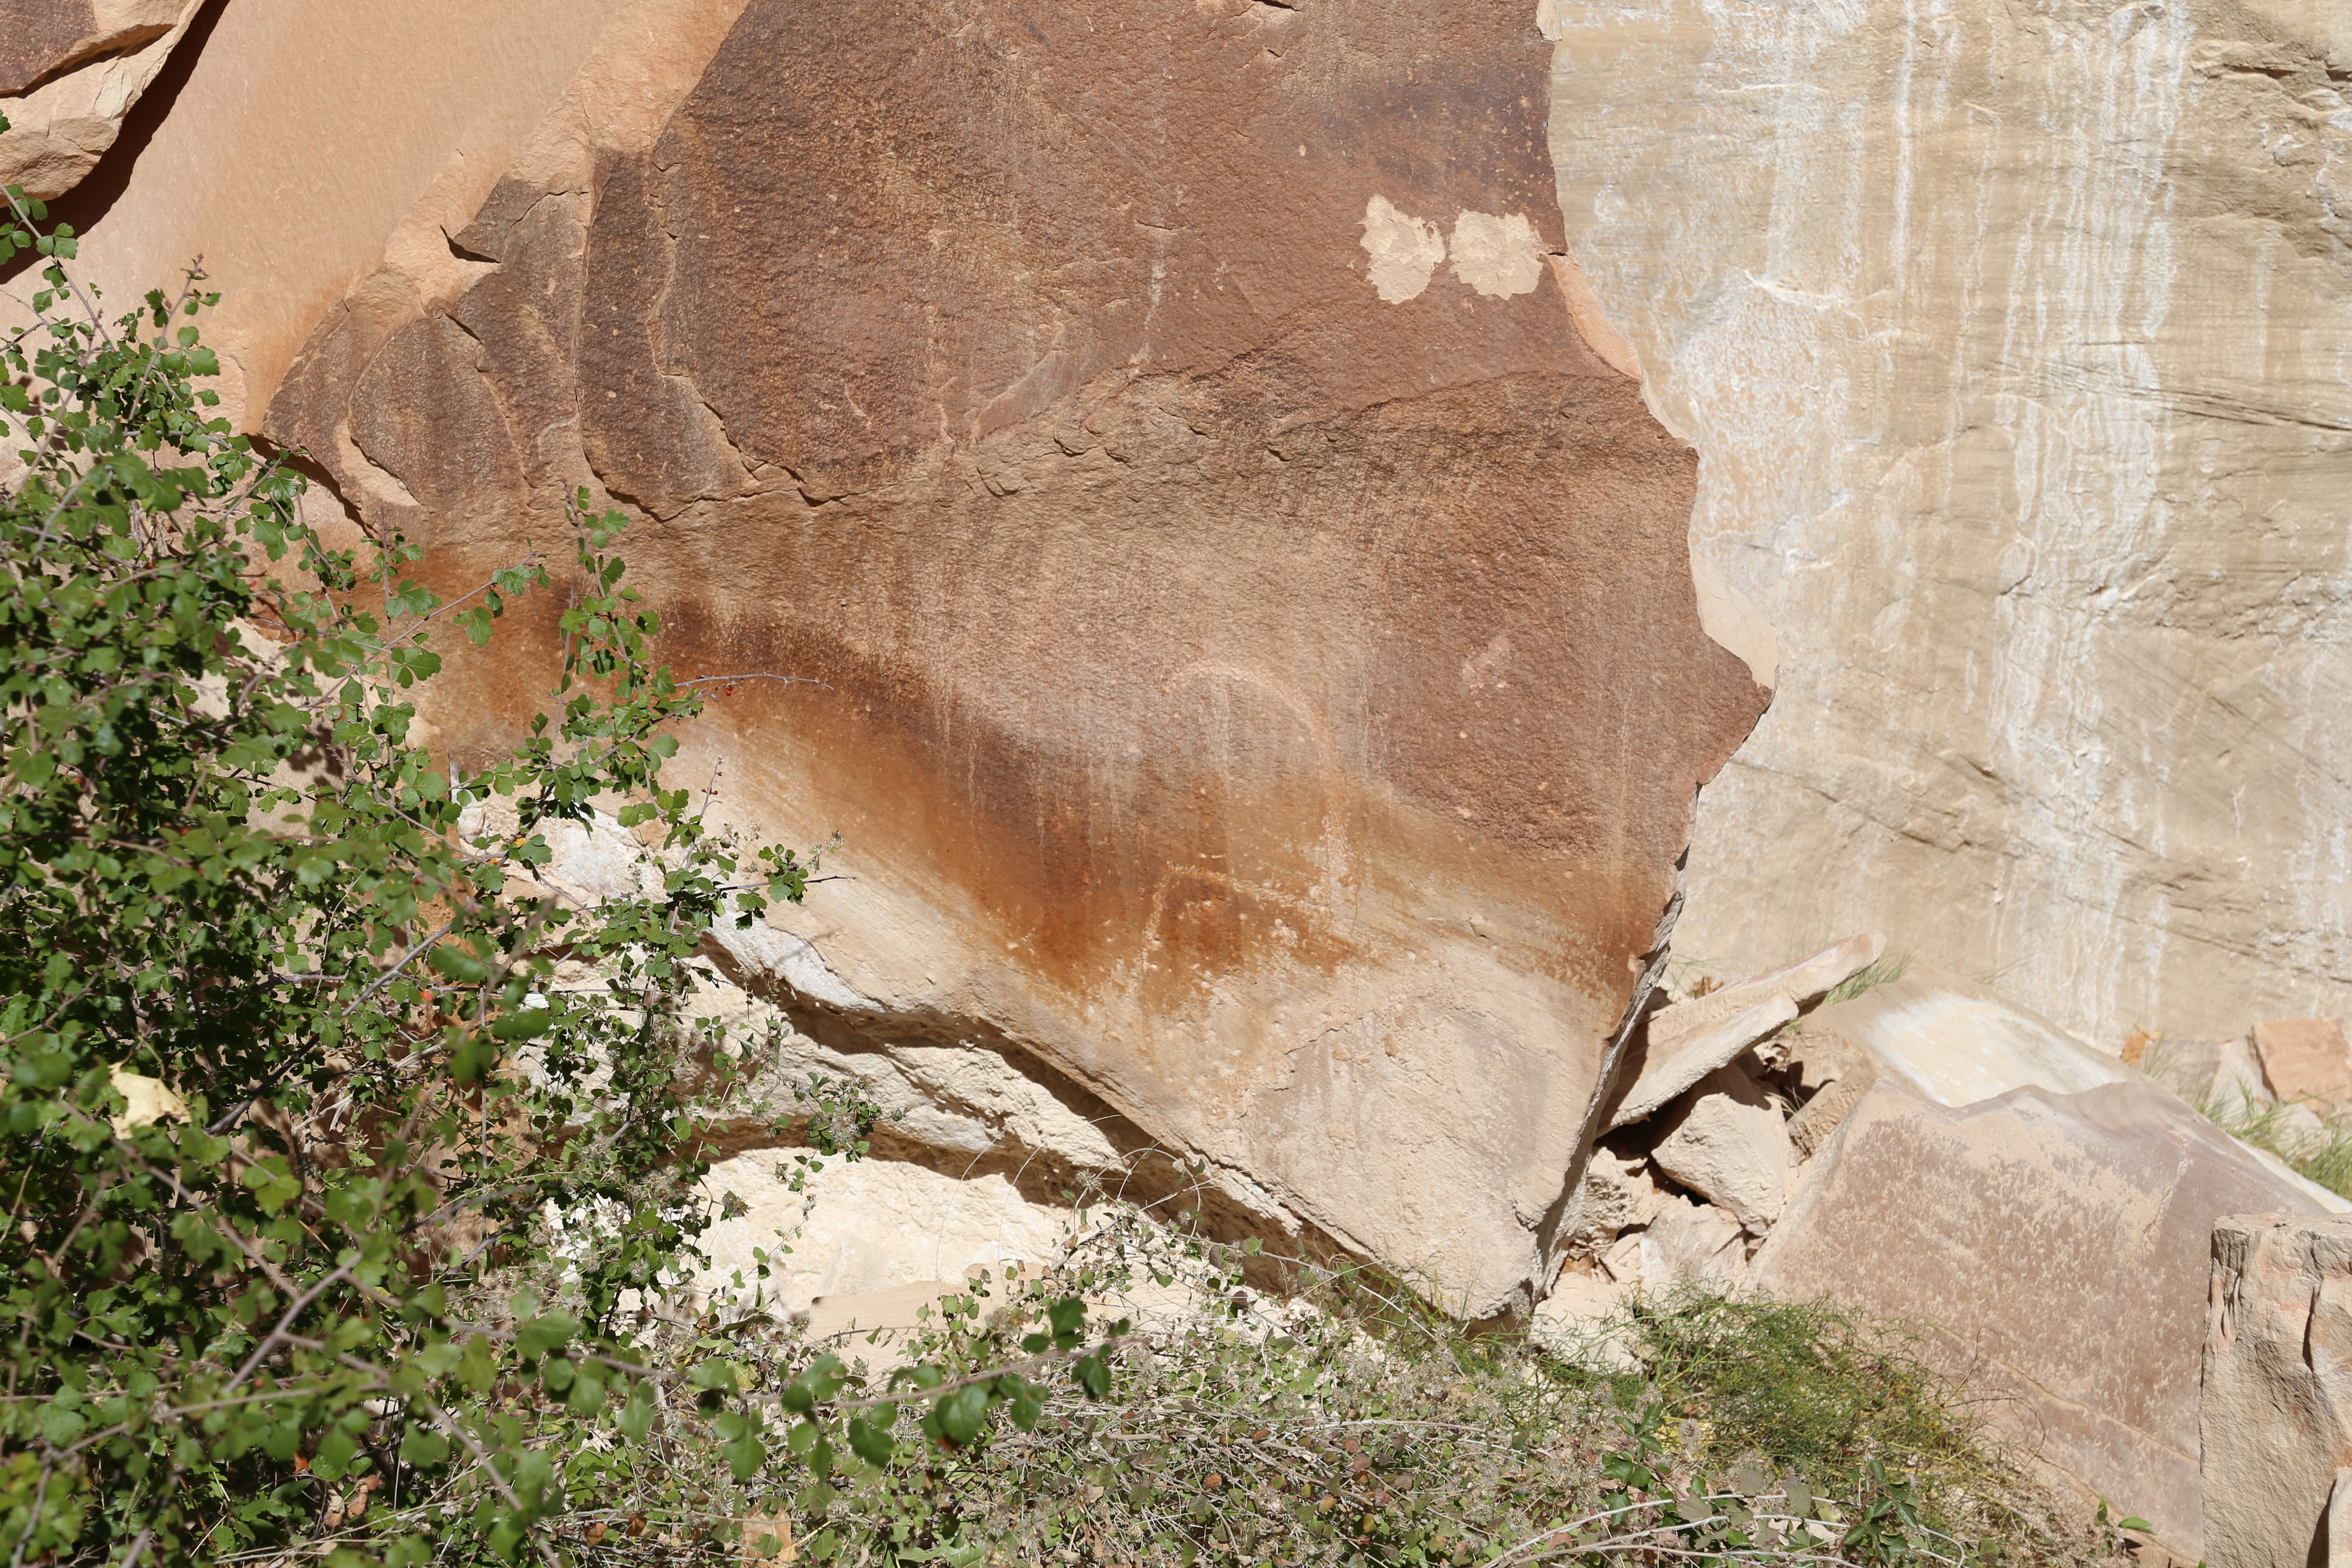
1803 980
1958 1043
1729 1145
2276 1417
1685 1042
2058 1243
1664 1070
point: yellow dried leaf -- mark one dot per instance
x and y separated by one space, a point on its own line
151 1101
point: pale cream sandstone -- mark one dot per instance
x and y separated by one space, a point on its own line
2013 342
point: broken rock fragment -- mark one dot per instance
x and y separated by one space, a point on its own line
1729 1144
1838 1074
1689 1040
1619 1194
1696 1243
2222 1074
2304 1059
63 114
2276 1417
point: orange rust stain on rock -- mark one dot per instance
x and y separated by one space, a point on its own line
1230 657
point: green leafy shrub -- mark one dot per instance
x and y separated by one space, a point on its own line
333 1218
1349 1424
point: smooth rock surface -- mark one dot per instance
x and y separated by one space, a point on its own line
1729 1144
2275 1414
2305 1060
1227 559
2011 339
865 1225
2059 1242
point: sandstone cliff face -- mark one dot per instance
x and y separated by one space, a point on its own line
1263 676
2012 341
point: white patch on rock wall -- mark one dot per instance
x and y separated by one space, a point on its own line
1497 256
1405 250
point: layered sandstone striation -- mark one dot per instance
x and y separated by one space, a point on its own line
2011 342
1263 686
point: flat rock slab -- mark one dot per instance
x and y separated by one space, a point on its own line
1799 982
2276 1415
2059 1242
1958 1043
1685 1042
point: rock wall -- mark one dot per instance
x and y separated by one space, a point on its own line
2011 339
1263 684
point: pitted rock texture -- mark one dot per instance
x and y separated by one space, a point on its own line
2010 338
2059 1245
1262 675
42 38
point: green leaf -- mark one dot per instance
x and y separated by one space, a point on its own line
459 964
744 1457
871 1441
636 1417
424 1447
962 1413
549 1332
